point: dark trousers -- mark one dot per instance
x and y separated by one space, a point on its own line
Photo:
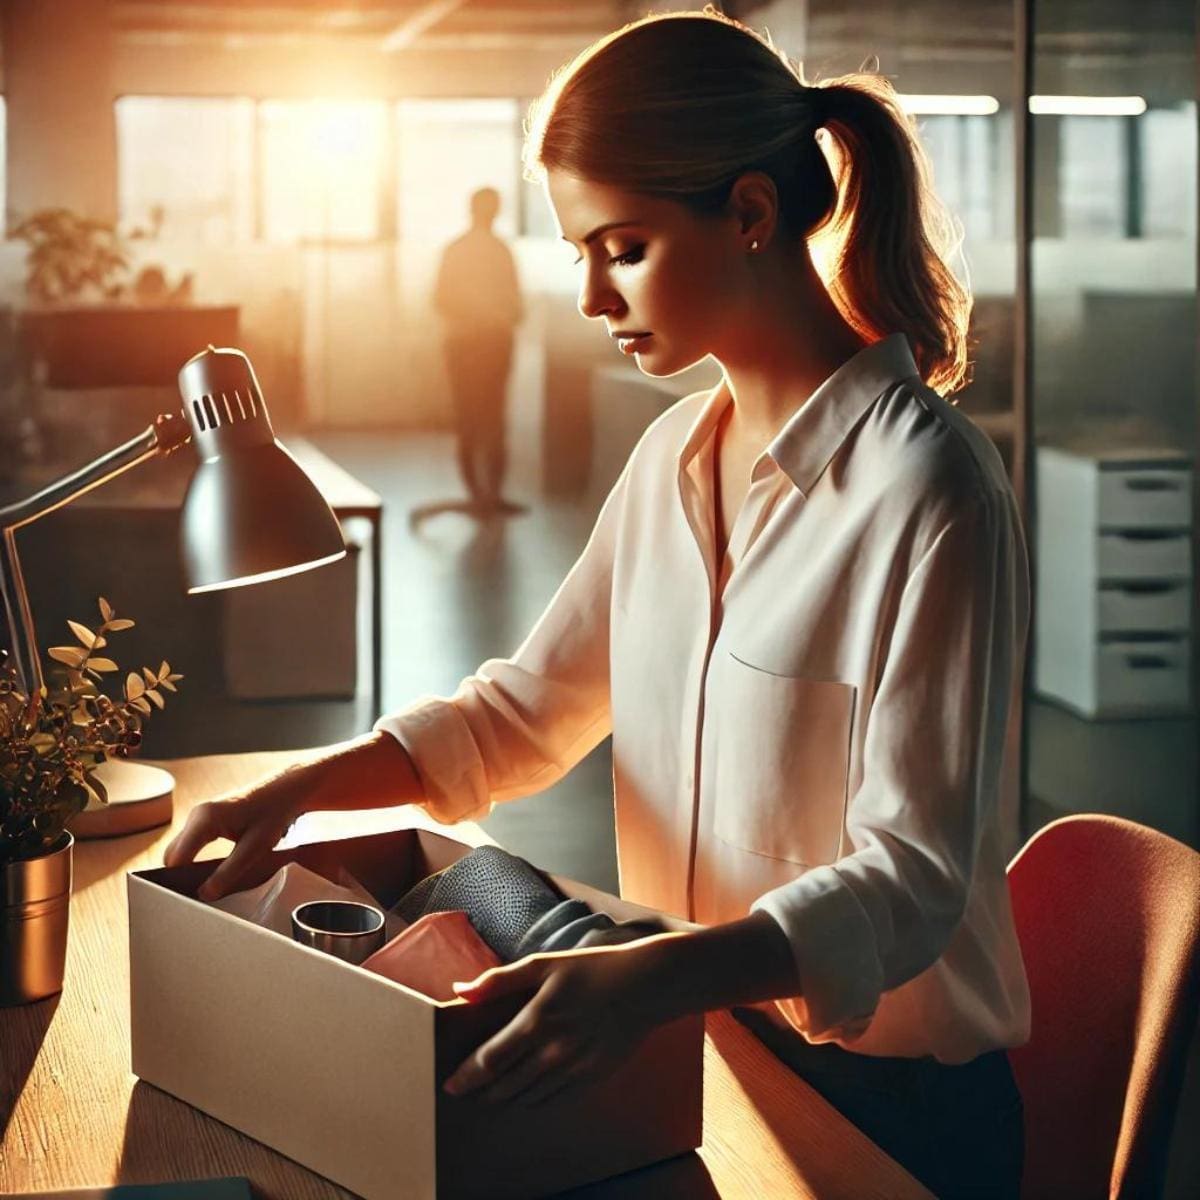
478 364
958 1129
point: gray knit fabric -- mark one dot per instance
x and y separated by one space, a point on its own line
501 894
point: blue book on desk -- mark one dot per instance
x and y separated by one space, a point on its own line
199 1189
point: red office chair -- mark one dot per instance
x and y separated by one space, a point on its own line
1108 914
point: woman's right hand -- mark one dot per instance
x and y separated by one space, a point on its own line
254 821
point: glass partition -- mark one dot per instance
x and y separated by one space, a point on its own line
1111 723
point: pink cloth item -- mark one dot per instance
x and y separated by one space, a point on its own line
434 952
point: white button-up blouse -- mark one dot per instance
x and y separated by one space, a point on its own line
815 727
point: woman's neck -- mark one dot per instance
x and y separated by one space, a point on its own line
788 345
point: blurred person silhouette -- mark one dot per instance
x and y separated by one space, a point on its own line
479 299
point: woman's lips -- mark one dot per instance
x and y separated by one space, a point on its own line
634 343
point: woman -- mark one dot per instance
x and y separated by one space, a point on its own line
801 615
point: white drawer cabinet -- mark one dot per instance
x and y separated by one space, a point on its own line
1158 606
1114 580
1144 554
1141 498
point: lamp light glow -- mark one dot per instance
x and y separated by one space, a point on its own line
266 576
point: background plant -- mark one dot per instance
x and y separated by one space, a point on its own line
50 747
70 254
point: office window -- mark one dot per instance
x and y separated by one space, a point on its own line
1168 188
185 166
964 152
322 169
1092 176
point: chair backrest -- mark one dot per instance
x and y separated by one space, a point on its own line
1108 915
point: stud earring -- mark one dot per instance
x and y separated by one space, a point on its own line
754 245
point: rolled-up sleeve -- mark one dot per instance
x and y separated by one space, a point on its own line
932 751
519 724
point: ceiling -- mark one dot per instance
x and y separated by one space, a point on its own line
936 45
929 21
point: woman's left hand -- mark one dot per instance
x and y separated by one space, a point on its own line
589 1011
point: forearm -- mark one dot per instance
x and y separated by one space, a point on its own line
371 771
741 962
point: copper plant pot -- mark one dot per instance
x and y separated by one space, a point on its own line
35 904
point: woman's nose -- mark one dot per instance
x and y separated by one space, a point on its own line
597 298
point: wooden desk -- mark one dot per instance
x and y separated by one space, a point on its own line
73 1115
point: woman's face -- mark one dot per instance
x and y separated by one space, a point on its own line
661 277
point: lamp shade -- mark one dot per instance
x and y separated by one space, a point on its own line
251 513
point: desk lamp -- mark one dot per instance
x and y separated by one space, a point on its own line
250 514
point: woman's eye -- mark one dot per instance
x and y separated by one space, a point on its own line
628 258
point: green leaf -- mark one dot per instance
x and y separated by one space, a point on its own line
119 623
102 664
106 610
83 633
71 655
134 686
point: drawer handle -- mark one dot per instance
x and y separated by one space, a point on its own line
1146 587
1147 662
1146 535
1147 483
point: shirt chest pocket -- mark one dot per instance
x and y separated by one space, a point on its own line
782 753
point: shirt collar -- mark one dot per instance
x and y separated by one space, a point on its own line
811 437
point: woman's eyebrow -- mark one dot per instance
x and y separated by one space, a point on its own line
602 229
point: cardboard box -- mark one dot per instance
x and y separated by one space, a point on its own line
341 1069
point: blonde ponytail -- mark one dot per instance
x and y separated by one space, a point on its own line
679 105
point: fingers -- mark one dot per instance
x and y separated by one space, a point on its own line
504 981
552 1082
525 1073
496 1056
251 847
203 825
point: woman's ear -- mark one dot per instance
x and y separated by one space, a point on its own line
754 204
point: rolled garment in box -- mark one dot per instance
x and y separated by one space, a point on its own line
341 1069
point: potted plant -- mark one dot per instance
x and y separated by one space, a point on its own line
71 255
50 745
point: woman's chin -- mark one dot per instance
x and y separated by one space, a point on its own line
660 365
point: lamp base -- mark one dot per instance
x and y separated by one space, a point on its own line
139 797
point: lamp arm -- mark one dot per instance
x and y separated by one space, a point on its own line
168 433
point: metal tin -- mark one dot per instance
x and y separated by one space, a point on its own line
344 928
35 906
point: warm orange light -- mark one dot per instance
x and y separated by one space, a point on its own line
323 167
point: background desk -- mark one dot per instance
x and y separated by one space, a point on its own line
73 1115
